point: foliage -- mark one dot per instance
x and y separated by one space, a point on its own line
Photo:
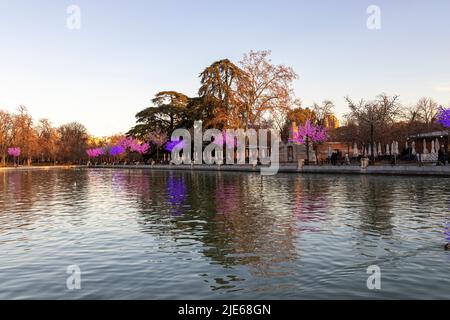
14 152
95 153
443 117
309 132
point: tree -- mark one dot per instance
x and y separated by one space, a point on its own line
298 116
374 113
265 90
168 113
349 133
219 84
6 125
72 144
23 134
47 139
443 118
158 139
309 133
427 110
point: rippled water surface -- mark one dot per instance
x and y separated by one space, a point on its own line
176 235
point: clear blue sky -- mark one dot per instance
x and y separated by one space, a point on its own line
126 51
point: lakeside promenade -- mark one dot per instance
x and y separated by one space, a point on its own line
425 170
413 170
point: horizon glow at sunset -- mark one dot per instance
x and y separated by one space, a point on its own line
125 52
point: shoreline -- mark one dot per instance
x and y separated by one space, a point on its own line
401 170
25 168
440 171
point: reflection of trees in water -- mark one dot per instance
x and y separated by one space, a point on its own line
310 202
375 203
17 198
73 187
233 215
129 182
249 228
25 195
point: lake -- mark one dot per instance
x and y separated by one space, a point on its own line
141 234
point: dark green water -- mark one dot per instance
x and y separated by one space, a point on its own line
181 235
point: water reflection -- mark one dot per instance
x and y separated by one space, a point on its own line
206 233
227 198
310 204
176 194
21 191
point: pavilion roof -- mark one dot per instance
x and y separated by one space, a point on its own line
434 134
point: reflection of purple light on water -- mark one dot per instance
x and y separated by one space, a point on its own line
177 194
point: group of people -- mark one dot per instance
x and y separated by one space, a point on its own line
337 158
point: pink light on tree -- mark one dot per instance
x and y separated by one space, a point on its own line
133 145
95 153
309 133
14 152
143 148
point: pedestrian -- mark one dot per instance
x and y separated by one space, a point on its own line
441 157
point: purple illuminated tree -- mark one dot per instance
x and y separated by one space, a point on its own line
176 145
14 152
309 133
443 117
115 151
143 148
95 153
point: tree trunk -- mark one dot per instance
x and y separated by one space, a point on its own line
315 153
371 143
307 151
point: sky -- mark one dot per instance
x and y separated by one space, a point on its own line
126 51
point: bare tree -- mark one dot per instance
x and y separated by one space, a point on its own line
384 109
427 110
265 90
323 111
47 138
